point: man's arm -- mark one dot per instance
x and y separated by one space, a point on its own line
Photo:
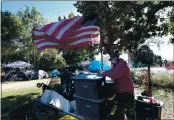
110 70
116 73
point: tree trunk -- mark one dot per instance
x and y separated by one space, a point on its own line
108 26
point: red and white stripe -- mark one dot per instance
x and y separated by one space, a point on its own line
66 34
45 44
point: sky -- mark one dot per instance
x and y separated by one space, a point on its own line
52 9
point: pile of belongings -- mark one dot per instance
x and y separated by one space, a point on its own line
53 98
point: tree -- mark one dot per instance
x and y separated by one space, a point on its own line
127 24
59 18
11 29
171 22
75 56
51 59
171 25
141 58
17 32
64 17
17 40
30 18
71 15
158 61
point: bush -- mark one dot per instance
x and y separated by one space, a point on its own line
138 73
158 79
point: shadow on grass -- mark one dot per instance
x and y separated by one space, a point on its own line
17 106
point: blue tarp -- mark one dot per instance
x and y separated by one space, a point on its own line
97 65
54 73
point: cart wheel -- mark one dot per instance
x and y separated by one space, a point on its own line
39 85
137 81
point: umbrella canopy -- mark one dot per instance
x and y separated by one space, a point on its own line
17 64
68 33
97 65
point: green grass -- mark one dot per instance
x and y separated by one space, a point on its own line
14 99
20 92
14 82
165 96
161 80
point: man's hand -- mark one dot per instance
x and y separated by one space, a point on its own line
101 72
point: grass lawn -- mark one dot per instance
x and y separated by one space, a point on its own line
167 97
20 92
13 99
164 95
163 79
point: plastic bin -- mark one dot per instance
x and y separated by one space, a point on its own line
89 86
148 110
91 109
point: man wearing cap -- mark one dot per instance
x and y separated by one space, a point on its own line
124 88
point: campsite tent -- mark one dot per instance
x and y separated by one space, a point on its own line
17 64
97 65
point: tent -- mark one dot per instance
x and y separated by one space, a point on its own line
17 64
14 76
54 73
97 65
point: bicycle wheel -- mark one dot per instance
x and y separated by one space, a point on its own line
137 81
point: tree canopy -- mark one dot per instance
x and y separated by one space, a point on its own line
171 25
123 26
127 24
171 22
10 34
17 35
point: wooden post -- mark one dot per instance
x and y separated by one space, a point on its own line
149 79
101 50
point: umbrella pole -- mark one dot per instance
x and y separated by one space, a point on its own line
101 50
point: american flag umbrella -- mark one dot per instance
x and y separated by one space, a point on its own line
68 33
